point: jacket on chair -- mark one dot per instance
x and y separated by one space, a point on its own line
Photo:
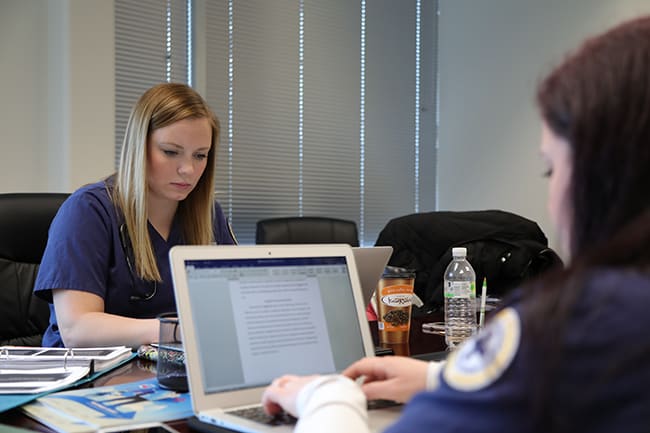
503 247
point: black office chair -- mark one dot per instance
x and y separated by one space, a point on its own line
24 222
306 230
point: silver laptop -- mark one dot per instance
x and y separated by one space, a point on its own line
370 262
252 313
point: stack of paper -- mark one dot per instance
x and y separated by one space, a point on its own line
33 370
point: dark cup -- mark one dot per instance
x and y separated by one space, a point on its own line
170 368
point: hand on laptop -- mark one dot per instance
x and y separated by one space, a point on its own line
390 377
282 394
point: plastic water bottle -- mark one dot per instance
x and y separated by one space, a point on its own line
460 299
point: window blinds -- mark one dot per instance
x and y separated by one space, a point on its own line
320 105
151 45
326 108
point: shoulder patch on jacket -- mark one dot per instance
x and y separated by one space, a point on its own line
481 360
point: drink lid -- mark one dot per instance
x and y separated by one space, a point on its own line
459 252
396 272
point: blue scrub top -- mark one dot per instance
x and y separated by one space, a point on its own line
602 383
84 252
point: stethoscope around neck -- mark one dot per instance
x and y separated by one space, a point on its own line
127 248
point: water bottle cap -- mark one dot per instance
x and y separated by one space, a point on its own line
459 252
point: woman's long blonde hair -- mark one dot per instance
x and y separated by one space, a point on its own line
157 108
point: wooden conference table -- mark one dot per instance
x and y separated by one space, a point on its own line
421 345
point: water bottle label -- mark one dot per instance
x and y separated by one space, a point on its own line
460 289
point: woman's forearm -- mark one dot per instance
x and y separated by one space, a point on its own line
101 329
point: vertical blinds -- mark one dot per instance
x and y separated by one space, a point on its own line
390 111
326 108
151 46
257 171
323 108
331 163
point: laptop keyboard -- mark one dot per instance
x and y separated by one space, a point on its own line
382 404
257 414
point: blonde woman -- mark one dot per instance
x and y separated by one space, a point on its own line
105 270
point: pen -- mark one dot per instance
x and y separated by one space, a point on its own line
482 310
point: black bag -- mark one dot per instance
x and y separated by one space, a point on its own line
503 247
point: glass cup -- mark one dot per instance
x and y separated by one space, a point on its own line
170 367
394 300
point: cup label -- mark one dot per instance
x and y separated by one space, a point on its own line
397 300
395 308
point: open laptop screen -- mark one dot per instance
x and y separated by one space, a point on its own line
256 319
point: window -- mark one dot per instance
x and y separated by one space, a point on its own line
151 47
327 108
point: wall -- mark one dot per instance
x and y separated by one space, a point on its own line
57 89
91 105
23 86
491 55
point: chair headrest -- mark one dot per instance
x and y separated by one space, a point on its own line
24 222
306 230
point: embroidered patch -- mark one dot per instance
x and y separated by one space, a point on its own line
481 360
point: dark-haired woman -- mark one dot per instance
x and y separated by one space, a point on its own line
571 353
